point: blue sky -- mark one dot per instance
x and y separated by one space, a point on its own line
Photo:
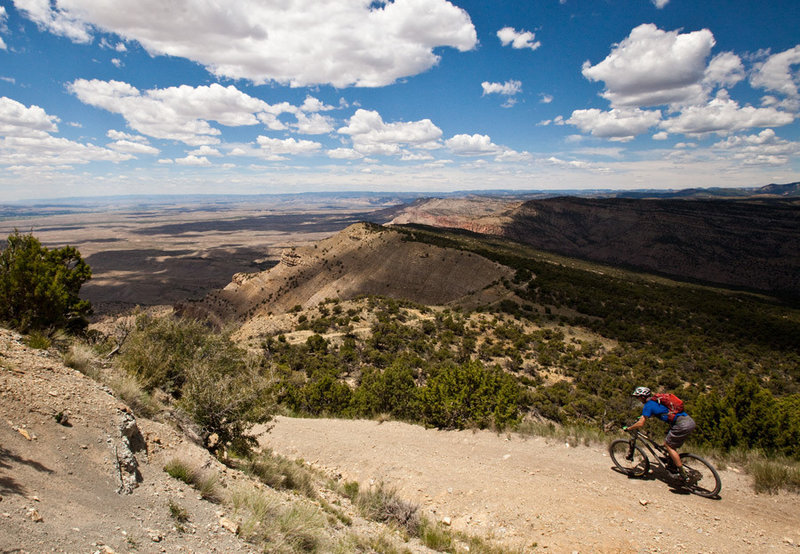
258 96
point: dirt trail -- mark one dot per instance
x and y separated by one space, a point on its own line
541 494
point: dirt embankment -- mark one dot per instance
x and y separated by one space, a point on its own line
68 448
535 493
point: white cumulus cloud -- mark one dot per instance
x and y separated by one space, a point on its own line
472 145
18 120
3 17
776 74
193 160
371 135
765 148
722 114
295 42
518 39
724 69
132 147
276 149
616 124
177 113
314 124
651 67
509 88
26 140
48 15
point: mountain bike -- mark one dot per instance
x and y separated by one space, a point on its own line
633 457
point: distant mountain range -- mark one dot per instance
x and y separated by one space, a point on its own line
789 190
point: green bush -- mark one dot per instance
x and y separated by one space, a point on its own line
391 391
464 395
39 287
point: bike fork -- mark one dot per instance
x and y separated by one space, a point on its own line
631 450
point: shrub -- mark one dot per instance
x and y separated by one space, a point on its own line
39 287
220 386
158 351
227 394
459 396
391 391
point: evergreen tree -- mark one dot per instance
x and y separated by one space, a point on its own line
39 287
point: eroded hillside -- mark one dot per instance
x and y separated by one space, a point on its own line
363 259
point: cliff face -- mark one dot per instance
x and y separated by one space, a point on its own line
748 244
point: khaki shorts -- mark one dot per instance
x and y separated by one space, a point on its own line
680 431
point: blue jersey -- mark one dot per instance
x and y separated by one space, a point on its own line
652 408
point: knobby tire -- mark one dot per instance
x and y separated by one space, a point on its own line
620 449
703 478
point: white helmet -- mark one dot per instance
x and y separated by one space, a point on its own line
641 391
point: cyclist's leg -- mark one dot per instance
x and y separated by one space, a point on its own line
677 435
673 455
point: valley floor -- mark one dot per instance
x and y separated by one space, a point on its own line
535 494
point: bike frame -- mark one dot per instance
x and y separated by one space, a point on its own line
653 447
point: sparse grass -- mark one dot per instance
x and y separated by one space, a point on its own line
204 482
296 528
38 340
435 536
128 389
384 505
350 489
572 434
81 357
773 476
382 544
179 514
279 472
301 525
770 474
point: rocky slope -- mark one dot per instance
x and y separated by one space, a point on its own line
79 473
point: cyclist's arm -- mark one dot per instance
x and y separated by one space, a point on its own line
638 425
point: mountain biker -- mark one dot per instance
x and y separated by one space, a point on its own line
679 429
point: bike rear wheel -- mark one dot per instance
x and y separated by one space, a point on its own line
703 479
629 458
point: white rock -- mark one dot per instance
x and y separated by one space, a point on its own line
229 525
34 515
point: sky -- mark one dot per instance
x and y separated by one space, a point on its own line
101 98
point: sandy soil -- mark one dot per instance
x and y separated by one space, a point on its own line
538 494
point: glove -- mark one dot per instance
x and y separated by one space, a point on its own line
625 428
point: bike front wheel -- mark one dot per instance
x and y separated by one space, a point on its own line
629 458
702 478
